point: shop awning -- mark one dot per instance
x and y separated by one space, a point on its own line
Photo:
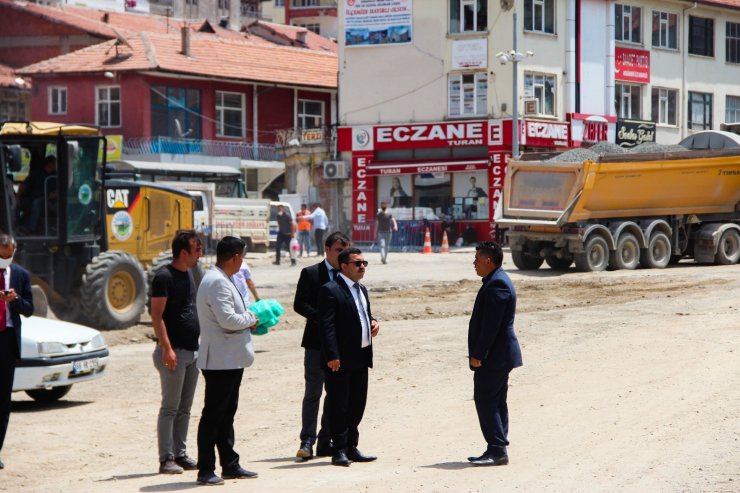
396 168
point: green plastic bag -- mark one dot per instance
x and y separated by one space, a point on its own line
268 312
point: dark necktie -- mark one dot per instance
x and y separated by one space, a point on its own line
361 309
3 322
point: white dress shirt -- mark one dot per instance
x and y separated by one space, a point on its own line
361 304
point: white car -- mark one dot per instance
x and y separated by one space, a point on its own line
55 355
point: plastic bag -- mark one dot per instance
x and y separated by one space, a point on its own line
268 312
294 249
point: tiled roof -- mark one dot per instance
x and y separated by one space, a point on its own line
733 4
289 35
7 76
209 56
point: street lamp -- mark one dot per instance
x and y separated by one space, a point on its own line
514 57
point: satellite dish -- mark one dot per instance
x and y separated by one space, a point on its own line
120 40
506 5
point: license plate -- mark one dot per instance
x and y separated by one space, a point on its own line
85 366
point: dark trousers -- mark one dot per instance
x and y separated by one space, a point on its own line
346 391
8 355
216 427
319 237
282 239
489 394
313 373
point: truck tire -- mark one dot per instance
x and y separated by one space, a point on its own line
728 249
49 395
159 262
526 261
113 292
557 263
657 255
595 256
627 254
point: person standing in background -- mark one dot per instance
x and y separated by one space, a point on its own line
15 300
320 225
244 283
385 224
304 230
286 231
175 324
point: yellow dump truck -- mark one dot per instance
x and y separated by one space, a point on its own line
619 211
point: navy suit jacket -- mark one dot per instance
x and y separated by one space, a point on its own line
306 302
20 280
491 337
341 329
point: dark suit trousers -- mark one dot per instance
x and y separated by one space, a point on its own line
216 427
8 355
346 391
313 372
489 394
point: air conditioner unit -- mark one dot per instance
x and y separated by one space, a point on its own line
530 106
335 170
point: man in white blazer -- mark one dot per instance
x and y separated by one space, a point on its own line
225 350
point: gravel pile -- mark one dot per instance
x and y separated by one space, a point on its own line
595 152
655 147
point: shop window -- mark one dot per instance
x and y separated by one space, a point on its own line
627 23
108 106
732 42
539 16
732 109
229 114
664 103
468 16
432 192
470 197
310 114
700 111
57 100
628 101
468 94
542 87
665 30
701 36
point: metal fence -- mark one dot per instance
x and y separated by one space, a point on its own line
242 150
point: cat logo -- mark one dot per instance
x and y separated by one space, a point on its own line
117 199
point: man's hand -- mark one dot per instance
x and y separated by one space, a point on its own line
169 359
374 327
11 296
475 363
333 364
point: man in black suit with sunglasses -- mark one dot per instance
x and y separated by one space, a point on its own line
347 328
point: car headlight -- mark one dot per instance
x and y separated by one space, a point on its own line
98 342
52 349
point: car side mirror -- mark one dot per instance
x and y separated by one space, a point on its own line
11 155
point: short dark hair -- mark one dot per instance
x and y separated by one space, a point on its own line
6 240
492 250
343 257
336 236
228 247
181 241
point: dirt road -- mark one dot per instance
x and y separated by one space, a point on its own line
630 383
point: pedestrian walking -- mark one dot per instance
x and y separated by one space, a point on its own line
385 225
176 328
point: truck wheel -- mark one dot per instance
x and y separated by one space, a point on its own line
526 261
49 395
557 263
658 253
159 262
595 256
627 253
113 292
728 249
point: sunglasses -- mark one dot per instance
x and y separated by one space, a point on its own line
359 263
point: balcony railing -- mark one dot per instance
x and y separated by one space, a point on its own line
168 145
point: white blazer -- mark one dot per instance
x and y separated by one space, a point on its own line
225 338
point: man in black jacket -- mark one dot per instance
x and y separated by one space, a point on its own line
347 331
15 300
307 304
493 350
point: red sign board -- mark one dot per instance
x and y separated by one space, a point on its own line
632 65
454 134
384 168
545 134
363 193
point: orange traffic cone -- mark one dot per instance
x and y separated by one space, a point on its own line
445 248
427 243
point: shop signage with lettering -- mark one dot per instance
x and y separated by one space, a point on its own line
632 65
631 133
545 134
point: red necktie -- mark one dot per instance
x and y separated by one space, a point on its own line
3 322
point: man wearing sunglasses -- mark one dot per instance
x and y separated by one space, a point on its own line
347 329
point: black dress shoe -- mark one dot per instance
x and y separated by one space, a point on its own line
305 451
356 456
238 473
323 449
472 457
341 459
2 466
209 479
491 460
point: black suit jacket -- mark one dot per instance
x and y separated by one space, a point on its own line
491 337
20 280
306 302
341 329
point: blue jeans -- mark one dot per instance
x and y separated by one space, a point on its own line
178 389
304 240
384 241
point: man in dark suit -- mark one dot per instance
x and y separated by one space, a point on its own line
15 300
493 350
306 303
347 330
